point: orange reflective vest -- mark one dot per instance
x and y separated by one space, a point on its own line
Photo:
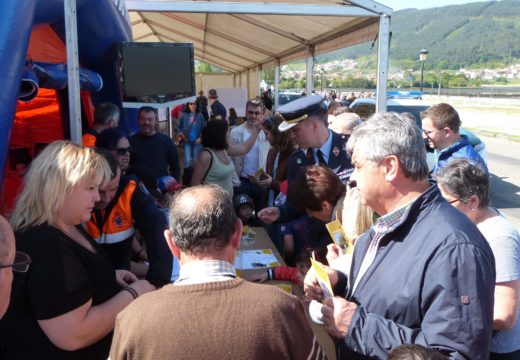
89 138
110 226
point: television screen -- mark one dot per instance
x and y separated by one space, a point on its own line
156 72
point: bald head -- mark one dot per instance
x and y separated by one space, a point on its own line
202 219
7 252
345 123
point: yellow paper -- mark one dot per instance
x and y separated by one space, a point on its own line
339 237
323 278
285 287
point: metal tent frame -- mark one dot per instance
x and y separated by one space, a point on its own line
169 21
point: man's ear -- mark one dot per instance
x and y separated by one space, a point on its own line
474 202
391 166
237 235
171 244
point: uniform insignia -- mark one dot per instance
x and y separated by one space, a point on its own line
335 151
118 218
299 161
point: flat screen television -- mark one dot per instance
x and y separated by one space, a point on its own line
156 72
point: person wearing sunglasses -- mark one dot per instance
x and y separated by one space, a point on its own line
9 261
440 129
116 142
65 305
465 185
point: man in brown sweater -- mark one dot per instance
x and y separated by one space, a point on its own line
209 313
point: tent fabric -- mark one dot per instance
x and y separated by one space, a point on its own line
238 42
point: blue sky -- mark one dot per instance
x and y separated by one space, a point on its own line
422 4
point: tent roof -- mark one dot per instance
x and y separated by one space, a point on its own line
242 35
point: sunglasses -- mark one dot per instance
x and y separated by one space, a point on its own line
251 112
123 151
20 264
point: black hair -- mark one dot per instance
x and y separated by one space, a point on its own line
214 135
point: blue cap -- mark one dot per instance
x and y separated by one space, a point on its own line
300 109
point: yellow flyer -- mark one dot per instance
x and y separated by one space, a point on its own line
323 279
339 237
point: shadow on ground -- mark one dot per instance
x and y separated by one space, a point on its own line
504 195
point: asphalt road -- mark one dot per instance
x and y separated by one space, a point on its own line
504 166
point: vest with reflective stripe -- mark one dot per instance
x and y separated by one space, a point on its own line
118 226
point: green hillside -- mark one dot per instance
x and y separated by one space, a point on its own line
456 36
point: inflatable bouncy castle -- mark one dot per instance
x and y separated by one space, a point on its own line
33 70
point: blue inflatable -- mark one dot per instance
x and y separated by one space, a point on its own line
101 24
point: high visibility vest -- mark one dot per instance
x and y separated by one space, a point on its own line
115 224
89 138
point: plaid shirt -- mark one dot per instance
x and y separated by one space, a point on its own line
383 226
199 272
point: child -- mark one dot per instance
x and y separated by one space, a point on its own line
245 210
289 273
304 232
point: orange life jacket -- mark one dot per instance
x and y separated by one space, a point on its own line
113 225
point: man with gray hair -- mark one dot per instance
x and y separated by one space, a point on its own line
209 312
106 116
423 274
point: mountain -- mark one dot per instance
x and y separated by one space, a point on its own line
455 36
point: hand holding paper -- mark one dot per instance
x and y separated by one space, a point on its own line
311 286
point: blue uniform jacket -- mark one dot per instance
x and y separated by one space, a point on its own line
339 160
431 283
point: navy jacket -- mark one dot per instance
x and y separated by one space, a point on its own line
431 283
339 160
218 109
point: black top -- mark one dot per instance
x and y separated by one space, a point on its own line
158 152
218 109
63 276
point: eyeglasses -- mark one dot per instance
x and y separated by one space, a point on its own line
428 132
20 264
453 201
251 112
123 151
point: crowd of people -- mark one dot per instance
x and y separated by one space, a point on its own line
433 270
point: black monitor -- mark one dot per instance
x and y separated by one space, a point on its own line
156 72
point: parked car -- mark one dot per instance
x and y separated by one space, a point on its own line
286 97
366 107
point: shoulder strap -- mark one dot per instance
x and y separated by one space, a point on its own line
210 163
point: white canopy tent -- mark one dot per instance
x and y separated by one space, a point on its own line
244 36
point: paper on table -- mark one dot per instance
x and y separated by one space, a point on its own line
255 259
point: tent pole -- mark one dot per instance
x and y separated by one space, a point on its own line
382 64
310 71
71 37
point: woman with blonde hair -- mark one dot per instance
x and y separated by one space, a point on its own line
66 304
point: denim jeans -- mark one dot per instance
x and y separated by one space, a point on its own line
191 153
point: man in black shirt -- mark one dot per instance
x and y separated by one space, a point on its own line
153 149
218 111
